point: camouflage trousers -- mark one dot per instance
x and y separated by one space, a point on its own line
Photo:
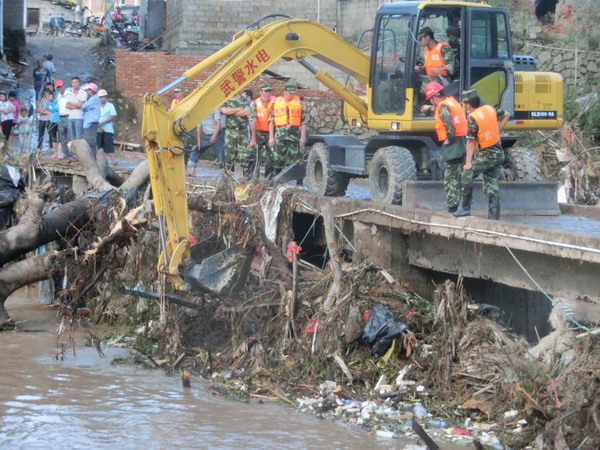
452 175
487 162
287 147
264 151
236 146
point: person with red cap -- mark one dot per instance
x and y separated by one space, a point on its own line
451 129
91 116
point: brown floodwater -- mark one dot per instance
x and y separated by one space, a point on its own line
84 402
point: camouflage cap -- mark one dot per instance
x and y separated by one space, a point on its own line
469 95
265 87
291 87
178 89
425 31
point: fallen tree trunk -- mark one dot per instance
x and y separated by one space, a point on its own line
36 229
22 273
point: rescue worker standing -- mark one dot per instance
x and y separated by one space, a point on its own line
287 130
178 97
451 129
483 141
438 59
238 112
263 107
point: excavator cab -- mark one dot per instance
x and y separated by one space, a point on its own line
480 41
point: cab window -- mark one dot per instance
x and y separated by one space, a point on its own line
389 64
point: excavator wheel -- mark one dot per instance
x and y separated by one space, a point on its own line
389 168
320 178
521 164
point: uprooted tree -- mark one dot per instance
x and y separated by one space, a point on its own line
69 224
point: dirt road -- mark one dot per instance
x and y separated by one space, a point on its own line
71 57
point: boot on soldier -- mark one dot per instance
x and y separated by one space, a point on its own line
494 208
466 197
452 209
248 170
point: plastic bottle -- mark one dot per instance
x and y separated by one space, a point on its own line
419 411
437 423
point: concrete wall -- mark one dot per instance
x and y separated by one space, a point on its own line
356 16
201 26
13 29
48 10
14 14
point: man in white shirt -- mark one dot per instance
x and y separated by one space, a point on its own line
76 98
63 124
49 65
106 130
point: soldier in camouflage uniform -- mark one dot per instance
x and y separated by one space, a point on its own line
262 108
287 129
483 141
439 60
237 132
451 127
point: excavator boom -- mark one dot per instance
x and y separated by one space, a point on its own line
233 68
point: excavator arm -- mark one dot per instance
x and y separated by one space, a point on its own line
233 67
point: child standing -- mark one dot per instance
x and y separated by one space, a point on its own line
25 128
51 106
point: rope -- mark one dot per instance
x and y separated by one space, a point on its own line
557 304
557 48
474 230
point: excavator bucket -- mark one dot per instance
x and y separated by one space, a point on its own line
517 198
217 270
295 171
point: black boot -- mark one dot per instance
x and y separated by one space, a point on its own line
466 197
493 208
452 209
248 170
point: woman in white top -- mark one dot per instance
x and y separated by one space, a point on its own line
7 114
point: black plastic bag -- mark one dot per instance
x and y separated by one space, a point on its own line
8 194
382 328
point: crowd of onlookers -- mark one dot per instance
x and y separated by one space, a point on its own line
60 114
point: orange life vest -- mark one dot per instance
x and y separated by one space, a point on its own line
458 119
487 122
263 112
287 113
434 59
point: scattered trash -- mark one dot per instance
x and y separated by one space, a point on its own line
420 411
382 327
437 423
185 379
385 434
508 415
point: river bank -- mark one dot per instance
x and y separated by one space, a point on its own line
83 400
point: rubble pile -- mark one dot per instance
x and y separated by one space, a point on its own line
380 357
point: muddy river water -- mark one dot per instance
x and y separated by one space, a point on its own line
85 402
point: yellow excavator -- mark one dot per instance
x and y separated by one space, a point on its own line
404 147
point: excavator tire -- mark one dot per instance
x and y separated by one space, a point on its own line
389 168
320 178
522 165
